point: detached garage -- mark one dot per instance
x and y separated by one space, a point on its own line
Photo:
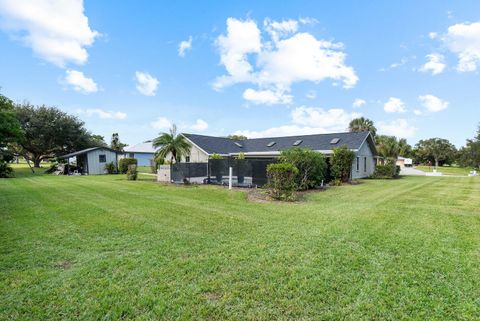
92 161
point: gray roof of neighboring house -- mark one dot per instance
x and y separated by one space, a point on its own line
145 147
222 145
84 151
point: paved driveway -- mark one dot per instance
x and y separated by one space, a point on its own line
411 171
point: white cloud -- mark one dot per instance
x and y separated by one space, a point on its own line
280 29
79 82
399 127
57 31
103 114
200 125
267 97
432 35
290 57
435 64
146 84
463 39
394 105
162 123
184 46
417 112
432 103
308 120
357 103
242 39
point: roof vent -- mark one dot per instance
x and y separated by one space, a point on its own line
238 144
297 142
271 144
334 141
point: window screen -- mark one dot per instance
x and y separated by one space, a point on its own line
358 163
364 164
102 158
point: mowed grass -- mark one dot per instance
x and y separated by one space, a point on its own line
447 170
104 248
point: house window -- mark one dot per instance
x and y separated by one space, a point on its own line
365 164
187 159
358 164
102 158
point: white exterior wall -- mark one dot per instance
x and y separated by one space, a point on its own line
196 155
363 152
94 165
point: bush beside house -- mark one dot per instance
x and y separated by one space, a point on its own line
124 163
389 170
311 166
341 161
110 168
282 181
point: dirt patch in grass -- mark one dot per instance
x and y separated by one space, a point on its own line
63 265
258 195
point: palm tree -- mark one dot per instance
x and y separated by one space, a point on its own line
173 143
362 124
388 147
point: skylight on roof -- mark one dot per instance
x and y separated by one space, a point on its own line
238 144
297 142
271 144
334 141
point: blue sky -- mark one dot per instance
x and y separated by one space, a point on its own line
251 67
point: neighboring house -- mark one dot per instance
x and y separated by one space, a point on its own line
144 153
404 162
92 161
361 143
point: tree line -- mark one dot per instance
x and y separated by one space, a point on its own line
40 133
433 151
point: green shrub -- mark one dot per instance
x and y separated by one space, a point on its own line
282 181
386 171
132 172
342 160
123 164
5 170
311 166
110 168
336 182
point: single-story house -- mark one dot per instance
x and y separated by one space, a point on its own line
361 143
92 161
144 153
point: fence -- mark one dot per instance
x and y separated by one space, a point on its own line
245 172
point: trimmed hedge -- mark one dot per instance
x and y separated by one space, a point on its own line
123 164
386 171
281 181
132 172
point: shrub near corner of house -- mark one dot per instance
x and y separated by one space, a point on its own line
386 171
310 164
123 164
342 160
282 181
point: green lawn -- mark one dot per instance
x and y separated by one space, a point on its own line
102 247
446 170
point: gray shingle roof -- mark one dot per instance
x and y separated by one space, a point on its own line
223 145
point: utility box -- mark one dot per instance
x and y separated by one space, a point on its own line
163 174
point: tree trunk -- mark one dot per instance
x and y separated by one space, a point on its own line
436 163
36 161
28 162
